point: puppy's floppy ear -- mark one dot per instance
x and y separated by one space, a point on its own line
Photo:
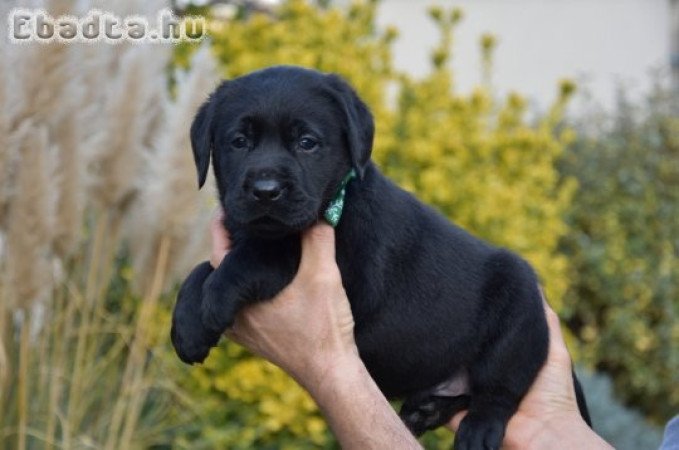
201 138
359 122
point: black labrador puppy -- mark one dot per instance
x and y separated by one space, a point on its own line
442 319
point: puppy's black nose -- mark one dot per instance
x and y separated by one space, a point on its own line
267 190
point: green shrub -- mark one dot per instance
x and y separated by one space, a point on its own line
623 243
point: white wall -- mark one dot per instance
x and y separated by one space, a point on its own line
542 41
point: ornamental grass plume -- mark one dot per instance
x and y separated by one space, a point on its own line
68 176
170 203
118 160
42 83
63 90
155 97
28 231
100 109
45 72
4 144
133 106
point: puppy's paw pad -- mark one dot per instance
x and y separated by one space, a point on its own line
479 433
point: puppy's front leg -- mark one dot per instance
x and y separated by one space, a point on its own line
249 273
225 291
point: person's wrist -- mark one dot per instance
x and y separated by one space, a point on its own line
562 432
325 371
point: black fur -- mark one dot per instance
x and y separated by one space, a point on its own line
430 301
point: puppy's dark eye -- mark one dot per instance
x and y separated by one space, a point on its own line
239 142
307 144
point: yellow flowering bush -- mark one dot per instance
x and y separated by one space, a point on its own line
475 158
243 402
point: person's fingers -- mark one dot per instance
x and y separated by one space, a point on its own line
318 250
454 423
221 242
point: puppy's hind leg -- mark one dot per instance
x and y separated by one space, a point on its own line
513 324
191 340
431 408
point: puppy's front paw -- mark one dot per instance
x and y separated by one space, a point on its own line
193 343
190 338
479 433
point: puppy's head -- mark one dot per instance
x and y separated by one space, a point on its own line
281 140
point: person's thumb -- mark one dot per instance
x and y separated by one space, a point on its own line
318 250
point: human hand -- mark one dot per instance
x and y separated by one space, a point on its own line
307 329
221 241
548 416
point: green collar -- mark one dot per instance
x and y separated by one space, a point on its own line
334 211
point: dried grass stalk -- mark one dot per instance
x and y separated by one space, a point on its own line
5 337
23 380
128 407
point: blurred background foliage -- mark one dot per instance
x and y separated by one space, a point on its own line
623 244
591 203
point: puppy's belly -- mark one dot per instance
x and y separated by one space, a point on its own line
403 363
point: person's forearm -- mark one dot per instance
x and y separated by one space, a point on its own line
357 411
